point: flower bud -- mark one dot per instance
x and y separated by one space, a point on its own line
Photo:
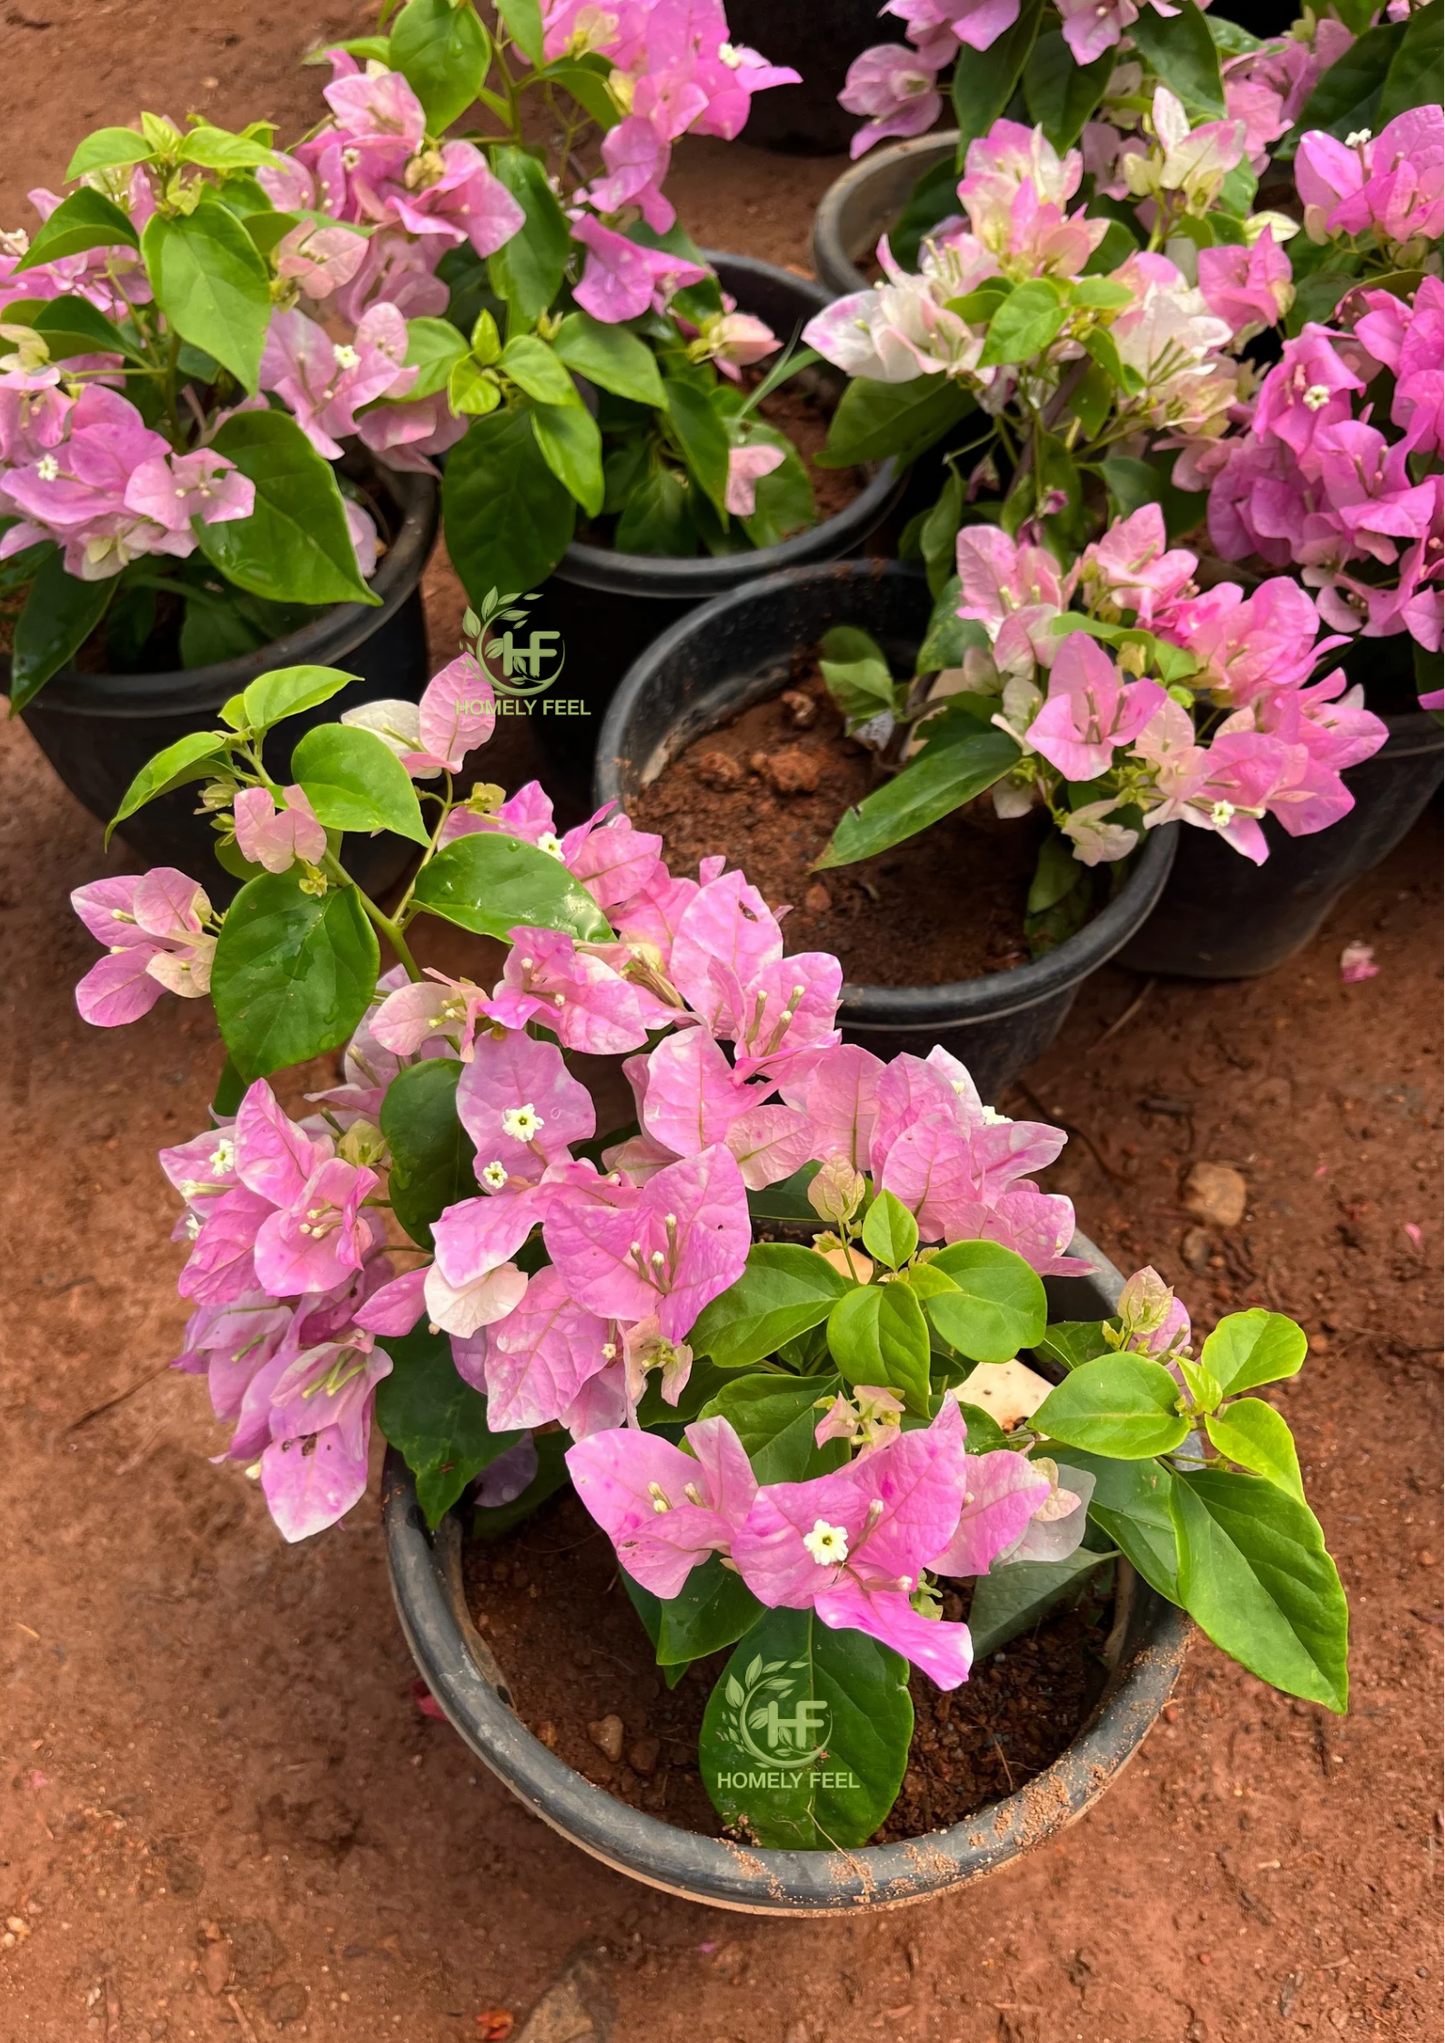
837 1191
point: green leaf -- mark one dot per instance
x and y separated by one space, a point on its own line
1121 1405
949 636
1252 1433
533 367
1230 38
941 779
1254 1347
783 1291
1072 1341
212 285
710 1612
433 348
1061 94
194 757
1113 251
471 391
444 54
787 1199
527 270
657 519
284 692
588 85
218 149
229 1093
508 519
877 1335
1131 1505
1012 1598
875 420
1413 78
522 20
60 614
296 546
571 445
783 501
87 219
938 534
490 884
702 436
890 1232
1316 297
610 357
840 1691
776 1418
108 149
432 1155
1255 1577
71 326
354 781
932 199
1181 51
856 672
1350 93
438 1421
494 1521
984 81
998 1307
293 974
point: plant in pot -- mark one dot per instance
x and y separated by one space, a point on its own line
809 1454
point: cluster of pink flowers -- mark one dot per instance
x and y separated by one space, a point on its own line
1279 748
1388 187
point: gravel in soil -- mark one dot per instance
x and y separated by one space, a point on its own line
550 1603
767 791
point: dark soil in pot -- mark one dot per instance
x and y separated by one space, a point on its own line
549 1602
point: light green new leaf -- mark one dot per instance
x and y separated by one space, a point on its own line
522 20
997 1307
284 692
491 884
535 368
108 149
783 1292
296 546
87 219
1252 1433
856 671
211 284
1255 1576
293 974
1024 324
196 756
354 781
890 1232
433 348
877 1335
1123 1405
1254 1347
443 52
213 148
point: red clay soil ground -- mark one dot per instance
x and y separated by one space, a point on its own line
223 1816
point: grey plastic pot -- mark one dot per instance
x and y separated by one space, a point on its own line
1145 1652
610 606
1221 917
740 649
98 730
863 203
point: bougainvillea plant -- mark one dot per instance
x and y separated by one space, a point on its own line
201 329
796 1446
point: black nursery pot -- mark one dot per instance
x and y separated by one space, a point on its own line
98 730
739 650
1145 1650
610 606
1222 917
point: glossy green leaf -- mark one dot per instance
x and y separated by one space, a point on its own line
1013 1598
437 1420
1254 1347
571 446
877 1335
783 1291
508 519
433 348
354 781
444 53
296 546
60 614
1060 93
776 1418
1131 1505
1252 1433
890 1232
284 692
491 884
1181 51
534 368
1413 78
293 974
702 435
108 149
432 1155
1349 94
212 148
793 1691
87 219
70 326
939 780
984 81
527 270
211 284
710 1612
657 518
949 635
1072 1341
876 420
522 20
1121 1405
857 674
998 1307
1255 1577
609 356
194 757
588 86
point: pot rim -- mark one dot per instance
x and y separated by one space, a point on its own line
334 631
471 1687
832 258
993 994
660 577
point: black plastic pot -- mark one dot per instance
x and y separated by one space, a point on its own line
1221 917
610 606
98 730
820 42
863 204
739 650
1145 1650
